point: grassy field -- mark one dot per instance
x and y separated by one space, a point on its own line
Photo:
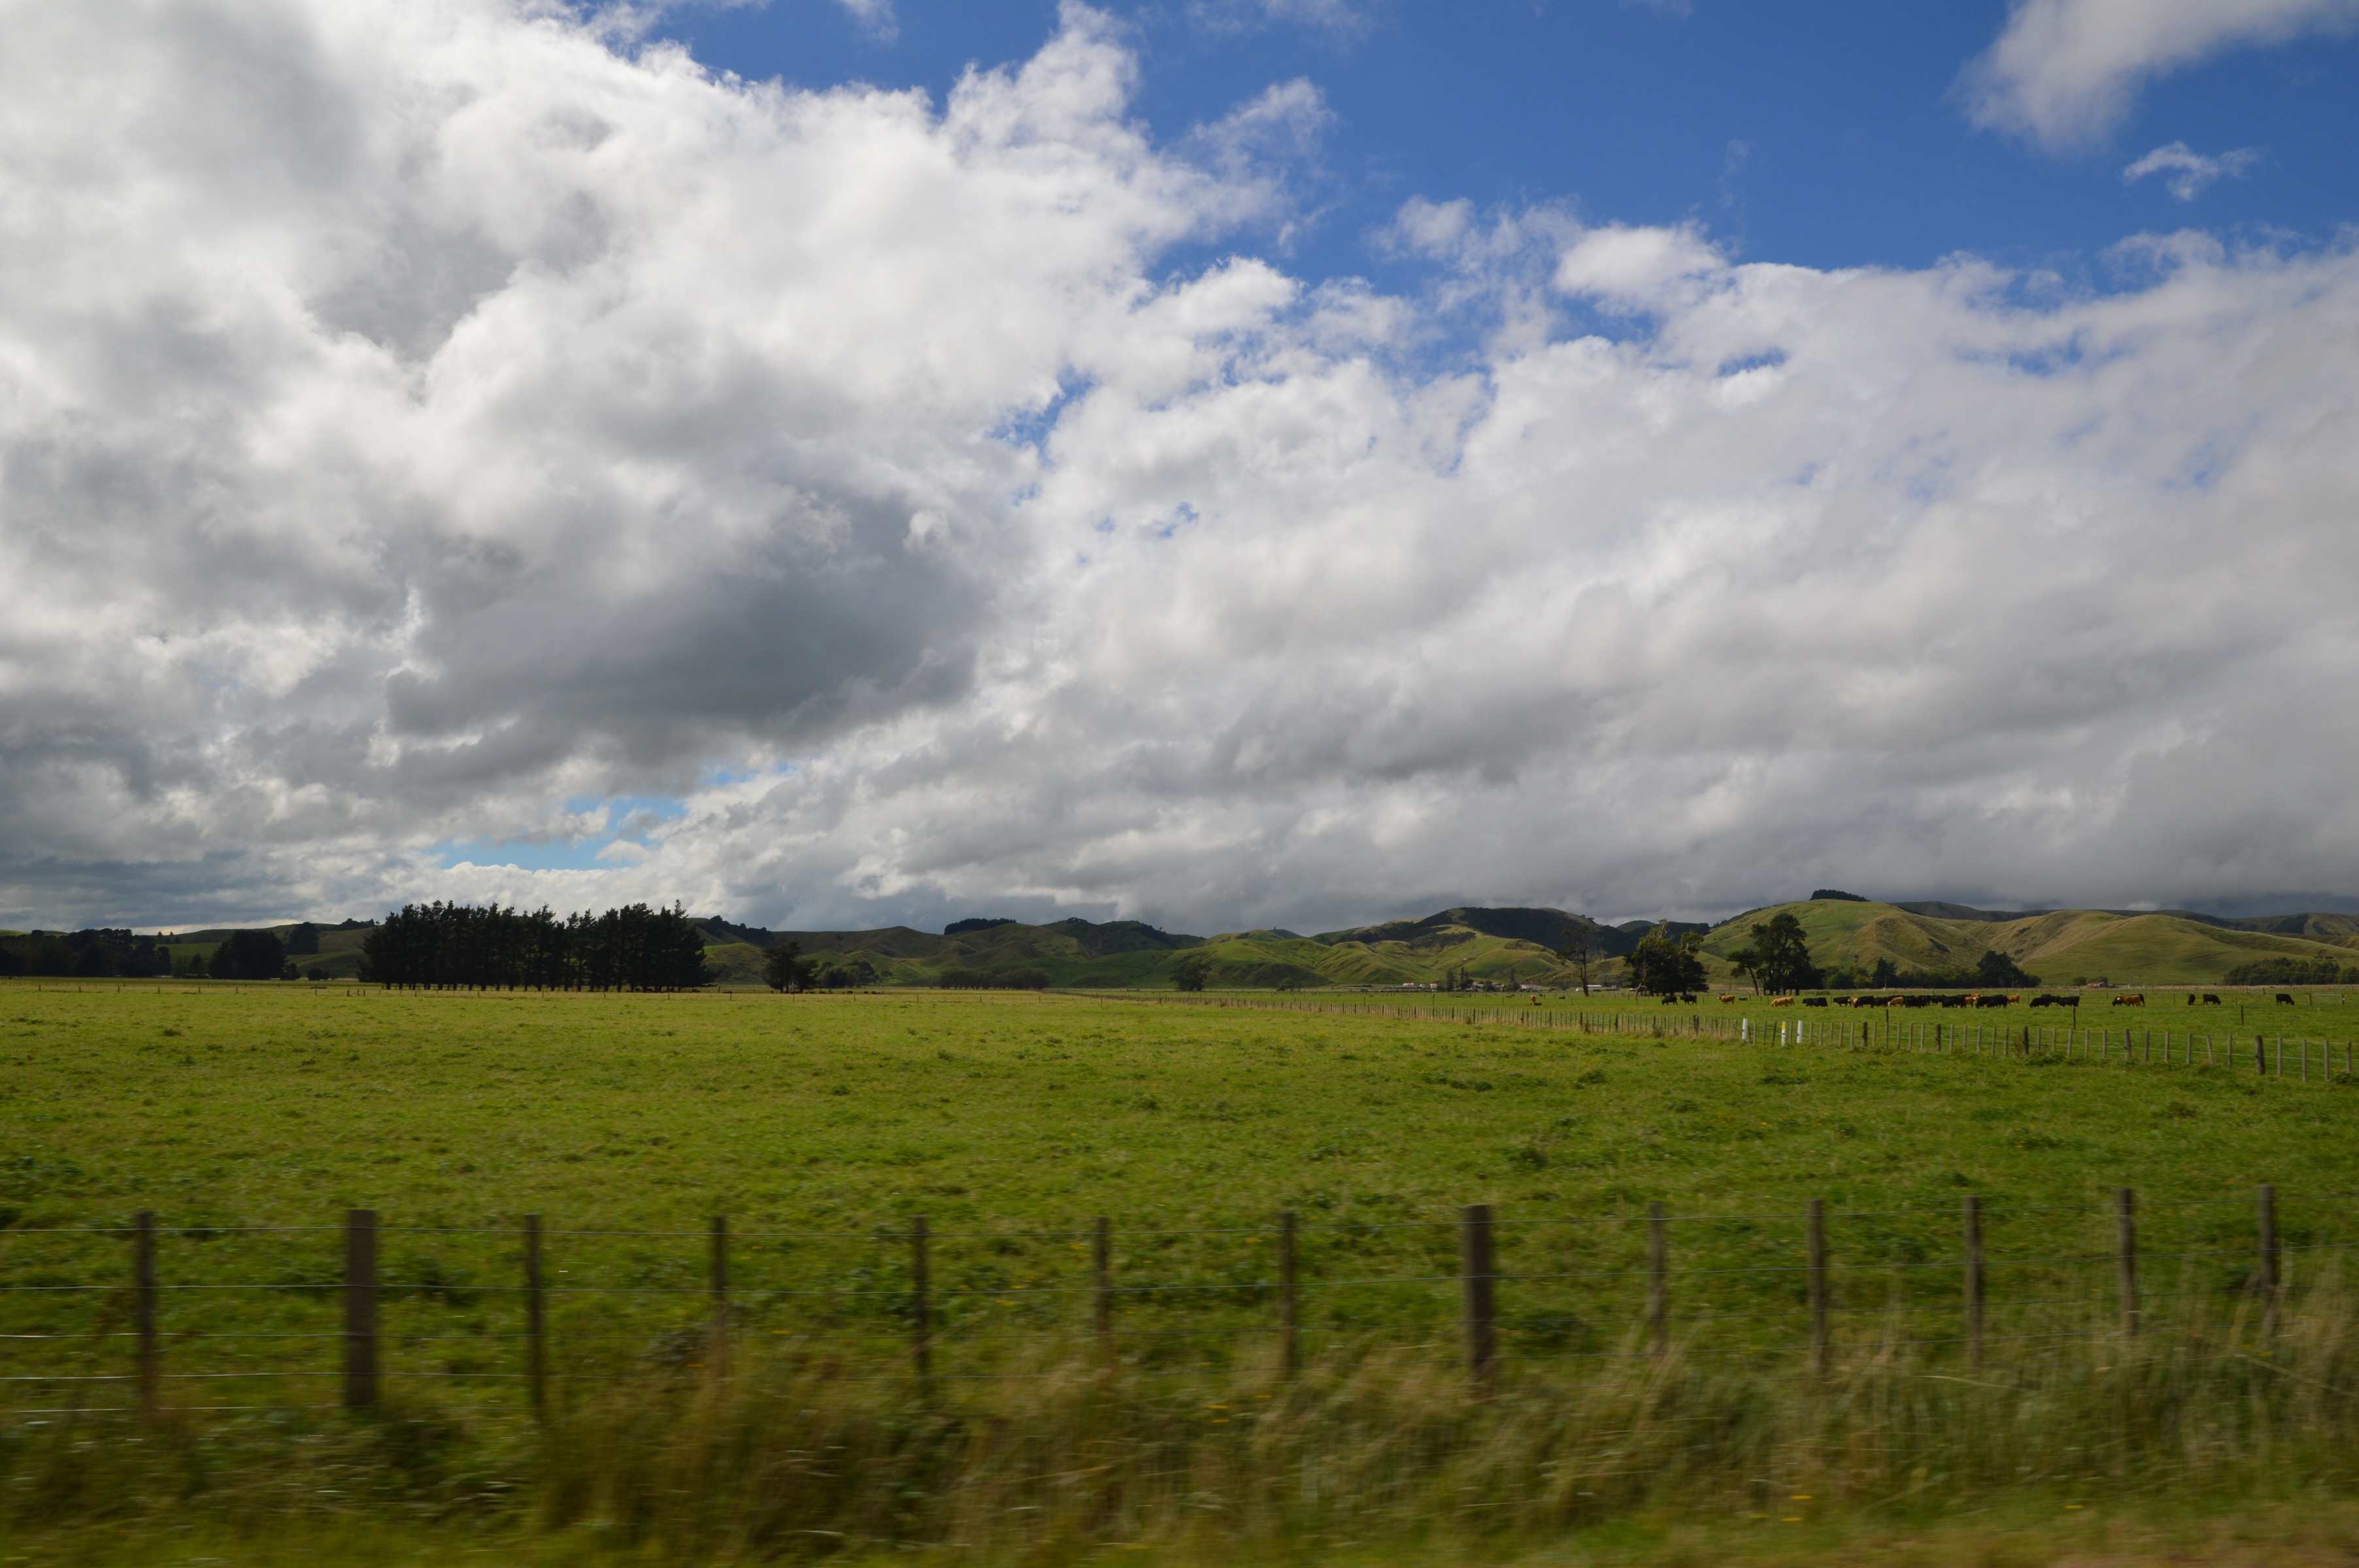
248 1119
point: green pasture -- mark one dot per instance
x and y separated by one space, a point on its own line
822 1125
248 1118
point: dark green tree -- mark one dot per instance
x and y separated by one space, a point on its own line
1194 972
248 955
1581 950
785 968
1747 963
1999 970
847 976
1783 955
1664 964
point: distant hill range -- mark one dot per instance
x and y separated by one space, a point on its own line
1498 945
2064 947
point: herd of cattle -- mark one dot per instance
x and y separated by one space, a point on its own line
1968 999
1940 999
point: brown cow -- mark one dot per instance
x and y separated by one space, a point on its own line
2130 999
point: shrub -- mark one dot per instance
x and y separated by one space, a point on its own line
2291 972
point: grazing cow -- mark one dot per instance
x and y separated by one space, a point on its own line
1957 1001
2285 999
1781 1001
1814 1001
1728 998
2212 998
1991 1001
2130 999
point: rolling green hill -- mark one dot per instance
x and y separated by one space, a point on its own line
2064 947
1488 944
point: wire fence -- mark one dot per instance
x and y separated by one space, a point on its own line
205 1316
1889 1024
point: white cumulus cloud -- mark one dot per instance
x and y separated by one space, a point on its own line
2187 173
422 423
2065 71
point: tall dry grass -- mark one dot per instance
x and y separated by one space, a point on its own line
792 1457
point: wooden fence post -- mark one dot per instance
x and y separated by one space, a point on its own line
360 1310
536 1349
1816 1250
143 1308
919 1300
717 1352
1289 1330
1658 1283
1477 1271
1973 1224
2269 1226
2125 1249
1102 1275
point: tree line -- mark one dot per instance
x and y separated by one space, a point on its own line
441 946
95 954
1775 958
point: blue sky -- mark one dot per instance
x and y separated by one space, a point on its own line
1827 134
598 826
1226 464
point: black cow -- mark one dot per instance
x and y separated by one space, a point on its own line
2212 998
2283 997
